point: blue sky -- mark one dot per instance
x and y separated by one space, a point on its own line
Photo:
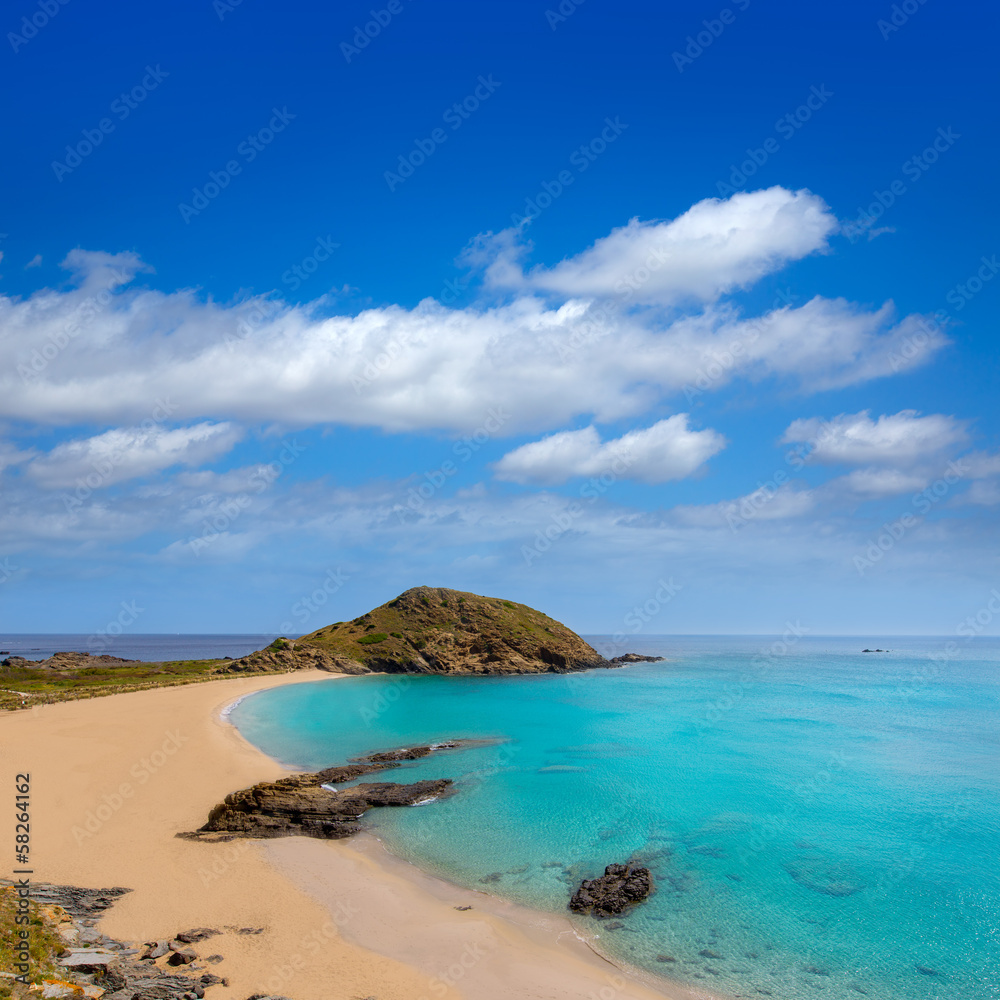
275 325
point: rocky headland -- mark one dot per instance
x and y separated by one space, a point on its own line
433 630
425 630
311 805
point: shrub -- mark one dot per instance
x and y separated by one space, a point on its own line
396 635
368 640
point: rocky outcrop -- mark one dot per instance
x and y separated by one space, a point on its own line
432 630
67 661
79 903
311 805
94 965
636 658
620 887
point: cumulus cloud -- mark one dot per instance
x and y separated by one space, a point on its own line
127 453
716 246
900 439
877 484
99 356
667 450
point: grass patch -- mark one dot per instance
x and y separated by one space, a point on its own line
22 686
372 638
44 944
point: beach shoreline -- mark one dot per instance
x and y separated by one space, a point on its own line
115 779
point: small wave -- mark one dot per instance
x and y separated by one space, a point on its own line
329 788
228 710
424 802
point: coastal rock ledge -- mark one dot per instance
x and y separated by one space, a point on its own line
620 887
311 805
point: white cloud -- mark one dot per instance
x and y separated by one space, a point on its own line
985 493
981 465
716 246
126 453
11 455
876 484
103 352
667 450
771 501
902 439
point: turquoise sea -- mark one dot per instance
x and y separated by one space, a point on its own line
819 822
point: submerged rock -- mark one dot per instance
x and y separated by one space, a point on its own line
618 888
636 658
824 877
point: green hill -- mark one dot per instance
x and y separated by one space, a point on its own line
435 630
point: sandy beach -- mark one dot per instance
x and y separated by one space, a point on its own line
114 779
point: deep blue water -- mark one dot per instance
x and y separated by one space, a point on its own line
151 648
819 822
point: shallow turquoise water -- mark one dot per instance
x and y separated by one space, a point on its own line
819 822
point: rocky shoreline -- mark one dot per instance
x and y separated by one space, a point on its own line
97 967
311 805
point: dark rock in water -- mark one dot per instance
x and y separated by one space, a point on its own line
492 877
925 970
614 925
816 972
824 877
636 658
306 804
708 953
732 876
665 958
618 888
709 851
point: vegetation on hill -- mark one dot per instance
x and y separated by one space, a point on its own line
436 630
424 630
